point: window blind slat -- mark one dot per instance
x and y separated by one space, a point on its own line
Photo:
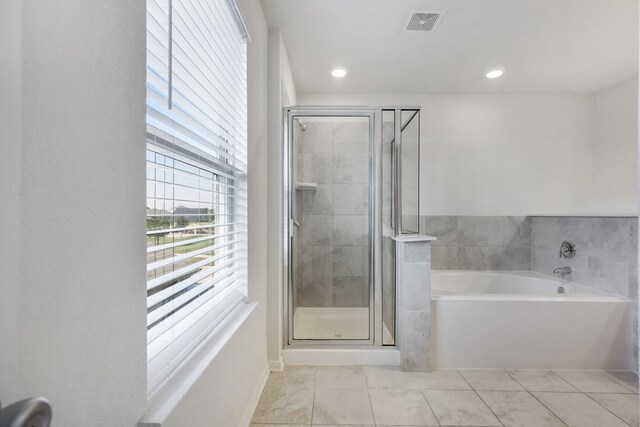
164 363
168 293
154 283
184 331
211 286
152 249
239 187
188 256
197 227
196 176
206 147
220 116
176 121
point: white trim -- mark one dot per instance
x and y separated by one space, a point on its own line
237 16
408 238
381 356
276 365
164 401
255 398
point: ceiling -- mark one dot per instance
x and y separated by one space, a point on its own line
543 45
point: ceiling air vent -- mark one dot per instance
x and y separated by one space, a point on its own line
426 21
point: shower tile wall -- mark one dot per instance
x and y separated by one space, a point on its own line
479 242
333 251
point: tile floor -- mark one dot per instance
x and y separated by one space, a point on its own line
331 396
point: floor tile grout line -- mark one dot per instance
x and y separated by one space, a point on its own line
313 398
488 407
538 400
604 407
492 389
479 397
373 414
603 392
464 379
619 381
630 391
552 372
424 396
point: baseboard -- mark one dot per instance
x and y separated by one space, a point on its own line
342 356
276 365
255 397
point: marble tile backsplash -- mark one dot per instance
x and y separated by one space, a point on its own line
606 254
606 257
479 242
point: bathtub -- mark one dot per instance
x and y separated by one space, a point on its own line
518 320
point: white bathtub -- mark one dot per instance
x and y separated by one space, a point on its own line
519 320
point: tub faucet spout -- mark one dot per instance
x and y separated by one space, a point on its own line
562 270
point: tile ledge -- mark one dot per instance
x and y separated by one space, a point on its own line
414 238
592 215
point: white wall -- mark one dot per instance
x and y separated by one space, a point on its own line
73 251
497 154
281 92
81 303
11 143
616 133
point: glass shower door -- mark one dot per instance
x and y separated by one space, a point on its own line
330 192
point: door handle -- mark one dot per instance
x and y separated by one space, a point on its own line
34 412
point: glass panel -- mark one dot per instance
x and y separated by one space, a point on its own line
388 230
410 152
331 245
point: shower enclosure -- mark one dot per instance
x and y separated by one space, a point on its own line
351 185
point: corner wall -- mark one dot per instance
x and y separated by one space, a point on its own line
82 301
73 249
10 164
281 92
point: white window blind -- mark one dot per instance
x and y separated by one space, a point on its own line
196 175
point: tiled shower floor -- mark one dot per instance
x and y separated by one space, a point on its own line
341 323
384 396
331 323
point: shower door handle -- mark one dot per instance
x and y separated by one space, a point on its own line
296 223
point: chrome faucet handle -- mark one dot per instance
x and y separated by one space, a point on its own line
567 249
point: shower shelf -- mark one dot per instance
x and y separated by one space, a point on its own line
306 186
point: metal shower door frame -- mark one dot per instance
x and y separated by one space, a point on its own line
375 219
375 207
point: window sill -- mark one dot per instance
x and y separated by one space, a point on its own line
164 400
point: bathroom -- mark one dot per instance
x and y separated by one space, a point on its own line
521 187
358 213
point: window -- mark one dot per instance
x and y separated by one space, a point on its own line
196 175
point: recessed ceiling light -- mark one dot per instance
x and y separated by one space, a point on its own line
339 72
494 74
